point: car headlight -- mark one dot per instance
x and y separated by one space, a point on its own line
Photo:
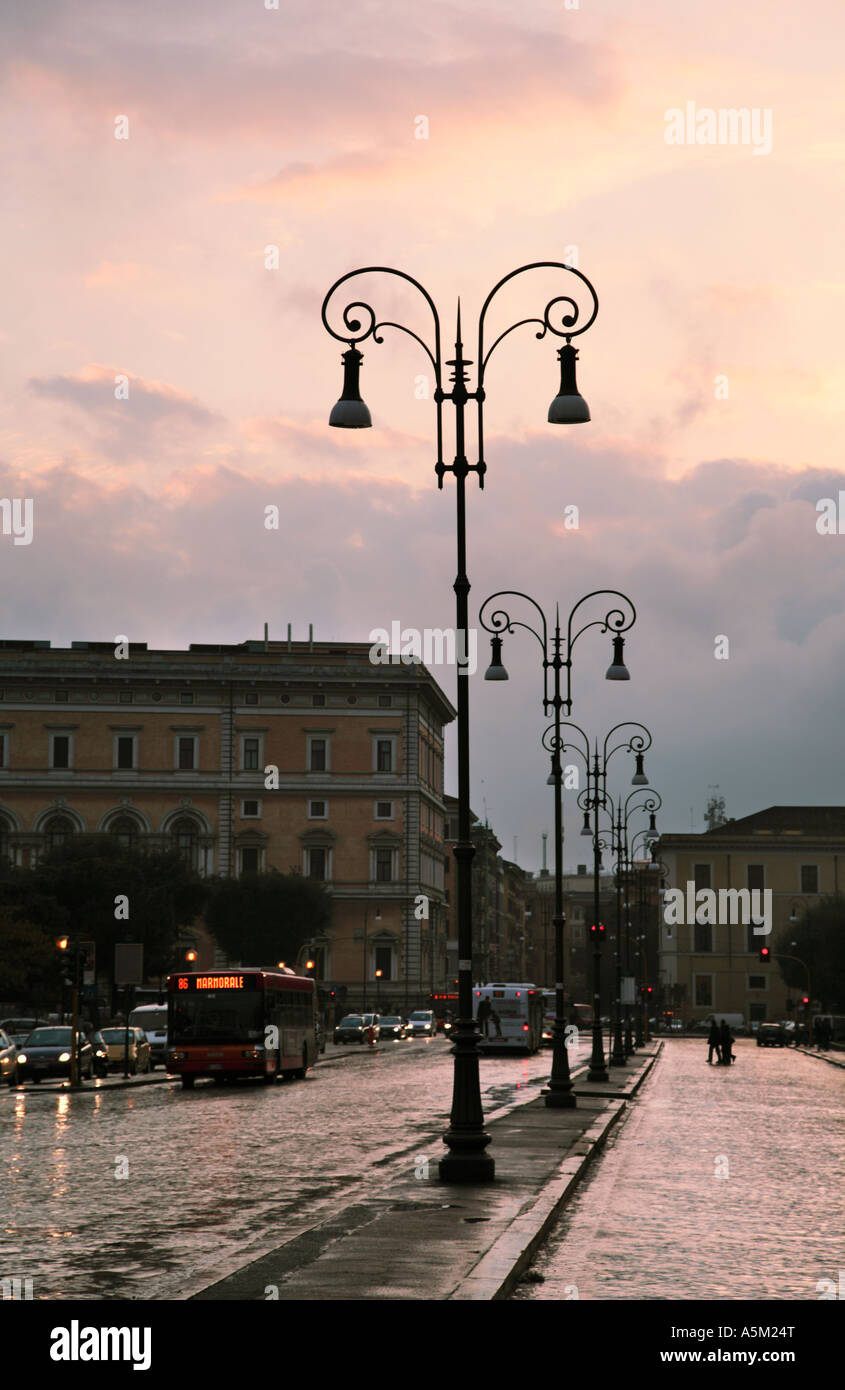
64 1056
21 1057
177 1056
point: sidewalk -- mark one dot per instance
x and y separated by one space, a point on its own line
91 1088
427 1240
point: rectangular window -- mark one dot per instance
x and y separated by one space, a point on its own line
250 859
704 991
61 750
317 863
61 697
2 750
385 701
757 1013
755 876
186 697
703 936
384 810
809 878
701 874
384 755
318 755
126 697
318 701
126 751
758 982
317 810
384 865
251 698
251 749
185 760
384 961
250 810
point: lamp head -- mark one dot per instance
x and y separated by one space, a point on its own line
639 778
568 406
585 828
350 412
617 670
496 671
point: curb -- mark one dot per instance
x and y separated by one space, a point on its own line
124 1084
498 1271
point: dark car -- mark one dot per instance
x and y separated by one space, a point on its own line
392 1026
770 1035
46 1052
19 1029
8 1059
350 1029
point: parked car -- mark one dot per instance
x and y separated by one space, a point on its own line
152 1019
770 1035
46 1052
8 1058
422 1023
391 1026
139 1049
349 1030
19 1029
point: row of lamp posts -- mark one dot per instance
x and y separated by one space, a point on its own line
466 1138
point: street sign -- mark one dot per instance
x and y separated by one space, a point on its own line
88 954
629 989
129 963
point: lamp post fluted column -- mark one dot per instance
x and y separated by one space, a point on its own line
559 1094
465 1138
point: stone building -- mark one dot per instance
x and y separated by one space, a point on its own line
794 853
298 756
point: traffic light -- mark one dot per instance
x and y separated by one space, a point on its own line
805 1000
765 955
71 959
597 931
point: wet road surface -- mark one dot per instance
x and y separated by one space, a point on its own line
720 1184
149 1193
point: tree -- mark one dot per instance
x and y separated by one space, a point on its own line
715 812
99 890
30 968
818 939
264 918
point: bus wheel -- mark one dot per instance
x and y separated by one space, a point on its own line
187 1082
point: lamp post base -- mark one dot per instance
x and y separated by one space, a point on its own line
466 1136
559 1095
598 1070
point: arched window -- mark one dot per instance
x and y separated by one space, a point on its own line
183 837
5 829
125 829
57 830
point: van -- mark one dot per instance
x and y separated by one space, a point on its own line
153 1019
736 1022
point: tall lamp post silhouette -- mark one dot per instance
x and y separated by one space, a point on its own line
557 655
592 799
465 1138
620 813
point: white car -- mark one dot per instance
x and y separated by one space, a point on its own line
422 1023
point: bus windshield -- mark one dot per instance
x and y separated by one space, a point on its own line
217 1016
151 1020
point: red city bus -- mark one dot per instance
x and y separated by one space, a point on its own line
241 1021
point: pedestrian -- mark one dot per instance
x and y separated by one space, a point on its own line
726 1039
714 1040
484 1012
496 1021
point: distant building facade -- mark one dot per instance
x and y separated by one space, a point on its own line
298 756
797 853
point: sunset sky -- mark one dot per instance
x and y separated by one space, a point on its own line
295 128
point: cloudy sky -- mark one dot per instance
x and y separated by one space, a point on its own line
714 371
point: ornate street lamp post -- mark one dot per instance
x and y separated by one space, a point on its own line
624 810
465 1138
593 798
559 1094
